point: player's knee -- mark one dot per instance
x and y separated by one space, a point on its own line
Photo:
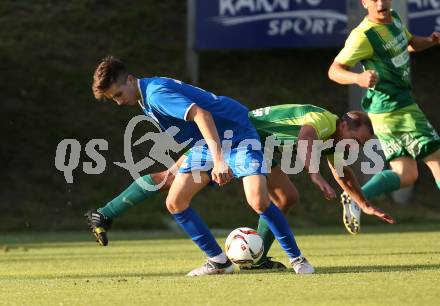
165 177
175 205
169 181
259 203
287 201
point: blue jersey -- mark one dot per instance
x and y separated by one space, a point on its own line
168 102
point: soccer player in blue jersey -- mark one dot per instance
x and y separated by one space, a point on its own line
200 115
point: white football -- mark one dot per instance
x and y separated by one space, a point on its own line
244 246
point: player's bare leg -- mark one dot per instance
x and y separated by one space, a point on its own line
183 189
433 162
406 168
282 192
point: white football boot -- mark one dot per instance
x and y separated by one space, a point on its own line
352 214
301 265
212 267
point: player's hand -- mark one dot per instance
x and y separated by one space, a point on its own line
367 79
221 173
435 37
369 209
325 187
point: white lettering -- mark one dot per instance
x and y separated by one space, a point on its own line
309 2
318 26
248 4
273 27
264 5
234 7
226 7
286 25
302 26
421 4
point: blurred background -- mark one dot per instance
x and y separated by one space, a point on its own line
48 52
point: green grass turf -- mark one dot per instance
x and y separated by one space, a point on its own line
400 267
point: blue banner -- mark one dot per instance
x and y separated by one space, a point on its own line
250 24
424 16
260 24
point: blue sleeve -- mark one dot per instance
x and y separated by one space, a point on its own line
170 103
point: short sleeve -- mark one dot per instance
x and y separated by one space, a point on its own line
357 47
324 124
170 103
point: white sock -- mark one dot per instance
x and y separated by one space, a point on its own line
220 258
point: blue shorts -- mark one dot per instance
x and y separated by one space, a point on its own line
242 159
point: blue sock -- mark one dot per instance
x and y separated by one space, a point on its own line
194 226
281 230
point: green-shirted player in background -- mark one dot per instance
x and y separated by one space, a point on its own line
288 123
382 44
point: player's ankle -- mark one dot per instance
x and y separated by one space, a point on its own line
220 258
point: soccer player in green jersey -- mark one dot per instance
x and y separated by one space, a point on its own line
382 44
288 124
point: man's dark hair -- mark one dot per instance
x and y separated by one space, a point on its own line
356 119
110 70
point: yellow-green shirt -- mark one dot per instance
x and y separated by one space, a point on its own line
285 121
383 48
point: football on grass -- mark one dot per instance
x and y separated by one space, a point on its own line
244 246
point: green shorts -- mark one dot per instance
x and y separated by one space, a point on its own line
405 132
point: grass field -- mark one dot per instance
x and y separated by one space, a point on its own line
378 267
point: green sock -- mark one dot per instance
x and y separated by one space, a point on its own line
130 197
383 182
438 184
267 236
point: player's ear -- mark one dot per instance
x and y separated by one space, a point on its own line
364 3
344 126
131 78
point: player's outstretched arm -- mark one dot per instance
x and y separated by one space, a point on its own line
221 173
306 136
420 43
341 74
350 185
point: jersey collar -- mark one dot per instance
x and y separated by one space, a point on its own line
142 87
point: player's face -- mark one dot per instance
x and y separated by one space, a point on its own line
123 93
378 10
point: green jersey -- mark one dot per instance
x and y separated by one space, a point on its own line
383 48
284 122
